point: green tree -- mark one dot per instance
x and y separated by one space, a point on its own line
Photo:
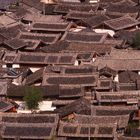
136 41
32 97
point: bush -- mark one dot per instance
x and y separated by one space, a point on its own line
32 97
136 41
131 125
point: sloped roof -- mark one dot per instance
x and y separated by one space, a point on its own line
65 8
56 47
78 70
121 23
29 126
12 31
124 54
31 79
128 138
127 86
5 106
84 80
78 15
58 27
120 120
9 57
99 48
114 15
104 84
79 130
46 38
118 64
107 71
43 18
15 44
26 131
29 118
39 58
84 37
33 3
49 91
6 20
32 45
46 91
123 6
128 77
2 39
121 96
19 12
67 91
95 20
80 106
3 87
86 56
112 110
104 1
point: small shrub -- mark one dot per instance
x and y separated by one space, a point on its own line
32 97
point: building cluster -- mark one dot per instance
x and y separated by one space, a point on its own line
84 58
